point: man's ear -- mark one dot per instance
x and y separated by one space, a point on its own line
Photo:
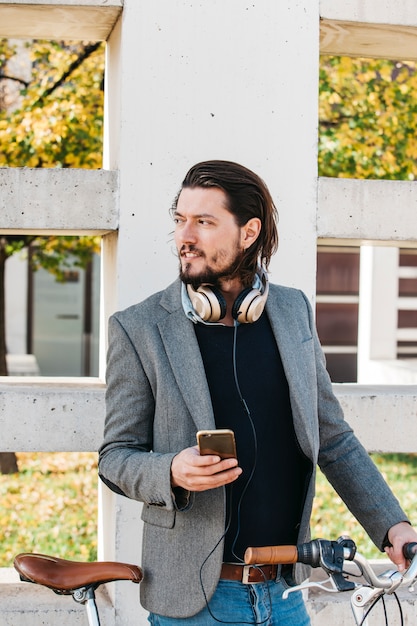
250 232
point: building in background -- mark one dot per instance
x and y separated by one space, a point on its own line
52 327
378 296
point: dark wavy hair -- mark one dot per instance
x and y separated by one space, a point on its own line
247 197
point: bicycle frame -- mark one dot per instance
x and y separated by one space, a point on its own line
87 597
387 583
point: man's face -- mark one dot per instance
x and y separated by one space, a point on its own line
208 240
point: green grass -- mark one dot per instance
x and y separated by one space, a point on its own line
51 505
331 518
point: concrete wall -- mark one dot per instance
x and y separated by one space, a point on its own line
189 81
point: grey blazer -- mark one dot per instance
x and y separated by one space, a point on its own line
157 398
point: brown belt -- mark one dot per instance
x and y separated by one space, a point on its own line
248 574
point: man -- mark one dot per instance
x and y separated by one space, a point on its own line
220 348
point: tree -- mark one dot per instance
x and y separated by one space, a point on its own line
368 117
59 121
56 121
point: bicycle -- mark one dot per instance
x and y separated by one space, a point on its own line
82 579
75 578
331 557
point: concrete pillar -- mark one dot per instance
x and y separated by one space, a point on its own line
194 81
214 80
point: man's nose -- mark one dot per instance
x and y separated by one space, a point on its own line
187 233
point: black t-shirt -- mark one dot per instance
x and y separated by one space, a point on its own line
264 505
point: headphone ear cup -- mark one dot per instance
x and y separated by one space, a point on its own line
248 306
207 302
242 303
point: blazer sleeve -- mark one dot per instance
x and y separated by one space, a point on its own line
346 463
127 462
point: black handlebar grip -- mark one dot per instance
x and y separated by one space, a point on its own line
410 550
310 553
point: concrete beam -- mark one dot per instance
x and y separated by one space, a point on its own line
367 211
354 28
44 414
25 603
58 201
50 19
383 416
53 415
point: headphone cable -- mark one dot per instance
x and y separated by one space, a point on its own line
255 440
238 509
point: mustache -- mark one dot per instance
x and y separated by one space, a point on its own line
191 248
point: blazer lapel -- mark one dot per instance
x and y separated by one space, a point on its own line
281 316
183 352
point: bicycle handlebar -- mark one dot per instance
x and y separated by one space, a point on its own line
331 557
410 550
308 553
313 553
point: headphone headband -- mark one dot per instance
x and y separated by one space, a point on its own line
209 303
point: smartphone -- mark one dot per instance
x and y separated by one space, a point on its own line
220 442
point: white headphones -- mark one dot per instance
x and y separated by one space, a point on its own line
209 303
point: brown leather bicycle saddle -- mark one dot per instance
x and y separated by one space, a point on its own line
64 576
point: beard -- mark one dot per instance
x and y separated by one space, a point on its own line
209 275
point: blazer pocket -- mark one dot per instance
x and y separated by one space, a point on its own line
157 516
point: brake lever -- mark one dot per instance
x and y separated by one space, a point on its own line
332 559
313 585
330 556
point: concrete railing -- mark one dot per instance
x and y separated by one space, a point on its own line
68 414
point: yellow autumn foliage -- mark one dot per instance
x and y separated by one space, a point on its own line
367 126
62 127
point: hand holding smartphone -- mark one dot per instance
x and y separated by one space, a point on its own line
220 442
194 473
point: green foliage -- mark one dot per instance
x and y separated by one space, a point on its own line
53 253
6 52
56 254
50 507
14 244
368 117
59 121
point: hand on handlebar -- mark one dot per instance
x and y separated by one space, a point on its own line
196 472
399 535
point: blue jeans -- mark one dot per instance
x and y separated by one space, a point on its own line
236 603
